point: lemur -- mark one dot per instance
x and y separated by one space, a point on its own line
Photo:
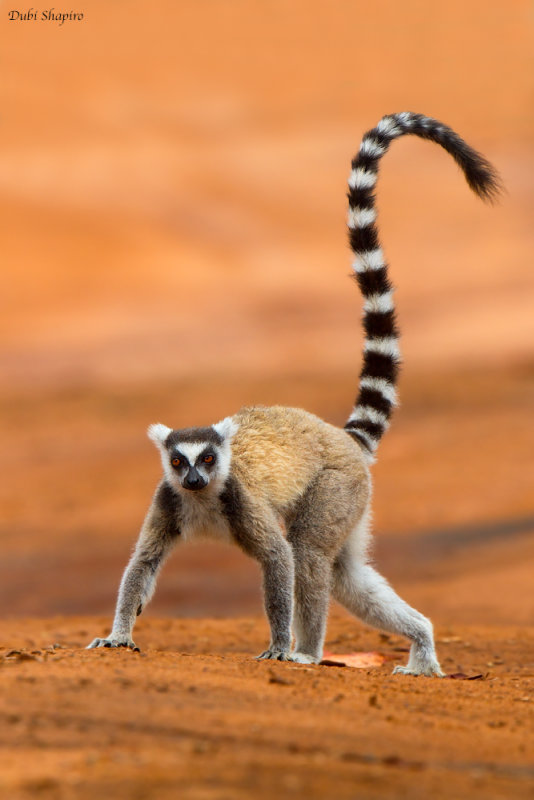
289 489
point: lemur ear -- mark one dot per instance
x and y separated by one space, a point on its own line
158 433
226 428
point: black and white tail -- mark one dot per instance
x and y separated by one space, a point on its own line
377 393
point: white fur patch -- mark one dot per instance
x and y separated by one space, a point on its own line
227 427
192 450
379 303
388 127
370 147
386 345
406 117
362 178
381 385
369 414
158 433
369 260
361 217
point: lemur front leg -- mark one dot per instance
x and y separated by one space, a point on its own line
312 594
256 529
159 533
277 566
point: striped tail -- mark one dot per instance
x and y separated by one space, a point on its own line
377 393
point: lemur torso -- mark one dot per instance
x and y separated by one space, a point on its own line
290 489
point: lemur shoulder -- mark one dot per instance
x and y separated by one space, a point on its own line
290 489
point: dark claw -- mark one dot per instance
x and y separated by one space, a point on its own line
107 644
273 655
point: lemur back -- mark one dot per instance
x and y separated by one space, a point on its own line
290 489
278 452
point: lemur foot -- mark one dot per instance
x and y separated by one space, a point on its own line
113 642
272 654
429 669
303 658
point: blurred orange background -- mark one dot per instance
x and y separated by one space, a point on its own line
172 214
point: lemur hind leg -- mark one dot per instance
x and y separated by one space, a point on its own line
321 522
365 593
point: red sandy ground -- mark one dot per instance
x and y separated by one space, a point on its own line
194 716
172 181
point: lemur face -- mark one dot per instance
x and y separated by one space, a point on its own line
193 463
194 458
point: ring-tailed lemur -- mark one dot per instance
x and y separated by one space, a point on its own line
291 490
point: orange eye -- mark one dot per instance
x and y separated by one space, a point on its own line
176 462
208 459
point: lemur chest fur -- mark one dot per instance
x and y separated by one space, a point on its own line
202 517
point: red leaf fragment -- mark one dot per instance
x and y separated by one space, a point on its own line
357 660
461 676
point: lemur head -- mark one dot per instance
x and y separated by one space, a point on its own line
195 459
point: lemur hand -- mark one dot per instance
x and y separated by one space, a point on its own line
113 641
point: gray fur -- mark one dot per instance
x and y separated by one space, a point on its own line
367 595
159 533
257 531
319 522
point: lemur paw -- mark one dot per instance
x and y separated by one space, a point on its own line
273 654
429 670
303 658
114 642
